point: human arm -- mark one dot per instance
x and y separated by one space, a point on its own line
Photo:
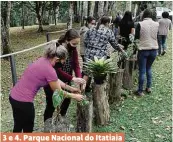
114 43
56 85
170 25
75 64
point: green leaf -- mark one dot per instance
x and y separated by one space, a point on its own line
57 98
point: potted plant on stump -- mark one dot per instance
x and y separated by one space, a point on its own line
98 69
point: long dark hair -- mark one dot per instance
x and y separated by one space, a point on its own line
104 20
69 35
89 20
127 18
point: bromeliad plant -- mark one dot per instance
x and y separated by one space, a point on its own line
99 68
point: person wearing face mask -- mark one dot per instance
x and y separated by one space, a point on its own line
64 72
96 41
37 75
90 22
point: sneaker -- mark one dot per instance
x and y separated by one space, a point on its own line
163 53
139 94
148 90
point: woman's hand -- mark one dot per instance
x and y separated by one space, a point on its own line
78 80
77 97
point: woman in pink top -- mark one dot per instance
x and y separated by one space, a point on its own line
37 75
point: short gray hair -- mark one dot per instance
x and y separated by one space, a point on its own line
56 50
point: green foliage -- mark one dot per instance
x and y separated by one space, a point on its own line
63 11
57 98
99 67
132 48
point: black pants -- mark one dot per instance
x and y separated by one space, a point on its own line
23 114
49 104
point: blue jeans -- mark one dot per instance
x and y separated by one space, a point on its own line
162 43
145 61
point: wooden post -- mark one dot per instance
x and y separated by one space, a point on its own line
115 85
128 74
85 116
101 105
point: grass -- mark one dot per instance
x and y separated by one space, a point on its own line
146 119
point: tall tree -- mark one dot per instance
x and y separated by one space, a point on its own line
81 13
106 8
23 17
38 9
85 8
128 5
100 9
91 8
5 25
70 18
56 5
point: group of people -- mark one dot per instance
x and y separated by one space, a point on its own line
54 71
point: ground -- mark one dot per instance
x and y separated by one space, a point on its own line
145 119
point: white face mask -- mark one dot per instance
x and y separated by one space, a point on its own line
90 25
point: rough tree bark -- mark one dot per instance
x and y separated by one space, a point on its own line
101 105
56 5
128 5
5 25
100 9
135 10
23 17
70 19
96 10
115 85
38 9
128 76
85 8
92 5
106 8
85 116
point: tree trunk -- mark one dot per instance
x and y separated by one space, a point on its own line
23 17
38 10
106 8
96 10
56 11
5 25
114 90
92 5
85 116
70 19
128 76
135 10
85 8
128 5
81 8
100 9
101 105
113 10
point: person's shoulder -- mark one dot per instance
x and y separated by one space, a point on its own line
169 21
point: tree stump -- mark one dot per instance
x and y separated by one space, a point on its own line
101 105
128 74
85 116
57 123
115 85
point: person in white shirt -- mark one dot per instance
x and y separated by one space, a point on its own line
164 26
